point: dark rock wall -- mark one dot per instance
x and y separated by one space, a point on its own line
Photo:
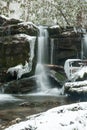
67 44
14 48
13 51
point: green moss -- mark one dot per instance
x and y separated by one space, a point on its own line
60 76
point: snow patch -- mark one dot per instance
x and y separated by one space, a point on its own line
77 84
67 117
4 17
55 26
75 72
28 23
80 73
68 68
19 69
80 87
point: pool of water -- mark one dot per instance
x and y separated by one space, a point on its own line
20 106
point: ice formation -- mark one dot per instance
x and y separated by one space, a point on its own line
20 69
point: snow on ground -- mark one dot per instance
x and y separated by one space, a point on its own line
67 117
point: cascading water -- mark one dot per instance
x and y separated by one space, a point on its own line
42 80
52 48
42 73
42 58
84 47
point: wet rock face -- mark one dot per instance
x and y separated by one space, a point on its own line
67 44
13 51
14 47
21 86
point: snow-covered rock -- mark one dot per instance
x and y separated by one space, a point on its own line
20 69
76 88
67 117
80 73
55 26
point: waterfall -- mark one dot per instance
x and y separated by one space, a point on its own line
52 48
32 45
42 58
84 47
42 81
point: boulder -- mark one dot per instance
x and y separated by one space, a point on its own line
21 86
14 26
76 89
28 84
55 79
27 28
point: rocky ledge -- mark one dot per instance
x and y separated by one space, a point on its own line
76 89
14 43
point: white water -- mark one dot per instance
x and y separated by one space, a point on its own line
7 98
42 81
52 48
84 47
42 57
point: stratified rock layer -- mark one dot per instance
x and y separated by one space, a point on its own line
76 89
14 47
